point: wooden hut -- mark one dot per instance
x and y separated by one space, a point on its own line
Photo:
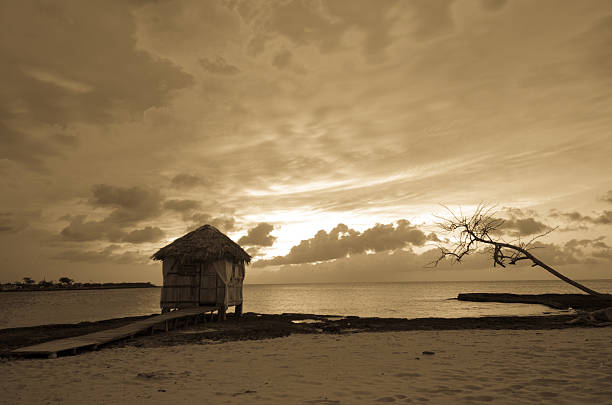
204 267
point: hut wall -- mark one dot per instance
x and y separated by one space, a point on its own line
180 287
216 283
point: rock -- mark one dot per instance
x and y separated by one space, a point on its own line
601 317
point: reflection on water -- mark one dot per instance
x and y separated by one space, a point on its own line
402 300
398 300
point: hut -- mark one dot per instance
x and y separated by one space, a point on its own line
203 267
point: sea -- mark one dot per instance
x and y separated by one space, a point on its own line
393 300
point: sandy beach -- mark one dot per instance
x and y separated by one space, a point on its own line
570 366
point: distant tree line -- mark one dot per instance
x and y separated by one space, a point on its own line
64 283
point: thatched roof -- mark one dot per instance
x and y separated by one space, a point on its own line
204 244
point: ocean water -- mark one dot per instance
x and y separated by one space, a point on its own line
398 300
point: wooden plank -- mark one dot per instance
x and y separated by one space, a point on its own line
106 336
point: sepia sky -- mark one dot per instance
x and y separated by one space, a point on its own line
323 136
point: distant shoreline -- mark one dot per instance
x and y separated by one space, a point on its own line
103 286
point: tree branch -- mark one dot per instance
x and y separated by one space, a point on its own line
478 229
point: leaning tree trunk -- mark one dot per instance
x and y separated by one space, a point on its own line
538 262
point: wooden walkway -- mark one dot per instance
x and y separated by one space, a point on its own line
92 340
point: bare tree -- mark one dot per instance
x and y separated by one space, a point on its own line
481 229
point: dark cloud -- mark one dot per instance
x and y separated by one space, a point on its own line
187 181
603 218
63 139
259 236
80 230
493 5
431 18
182 205
147 234
525 226
588 251
282 59
219 66
594 44
186 208
106 255
8 223
342 241
51 75
223 223
325 24
26 149
132 204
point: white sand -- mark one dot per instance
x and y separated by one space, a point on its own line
571 366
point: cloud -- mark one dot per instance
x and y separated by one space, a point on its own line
182 205
493 5
403 265
219 66
50 69
63 139
58 80
80 230
147 234
608 197
132 204
431 19
602 218
342 241
589 250
106 255
259 236
525 226
594 44
254 251
326 24
8 222
27 149
282 59
187 181
223 223
186 208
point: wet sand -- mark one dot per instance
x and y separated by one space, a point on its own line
568 366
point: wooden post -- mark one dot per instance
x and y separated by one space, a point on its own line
238 310
222 312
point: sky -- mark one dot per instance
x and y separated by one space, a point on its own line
325 137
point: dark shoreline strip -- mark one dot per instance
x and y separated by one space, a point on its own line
582 302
